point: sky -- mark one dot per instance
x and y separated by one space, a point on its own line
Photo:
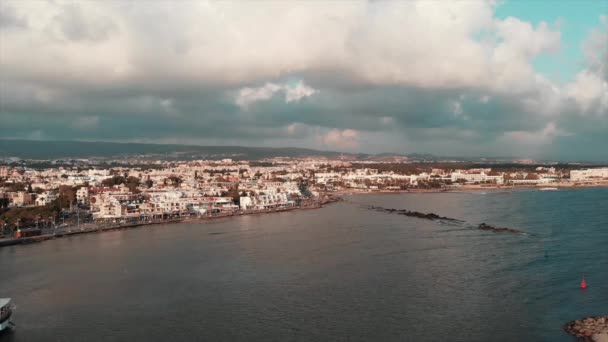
515 78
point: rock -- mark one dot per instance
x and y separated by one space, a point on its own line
484 226
589 329
600 337
417 214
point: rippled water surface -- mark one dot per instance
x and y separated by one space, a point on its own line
341 273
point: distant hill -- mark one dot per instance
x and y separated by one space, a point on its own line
34 149
45 150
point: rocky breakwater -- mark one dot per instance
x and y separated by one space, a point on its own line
488 227
417 214
435 217
592 329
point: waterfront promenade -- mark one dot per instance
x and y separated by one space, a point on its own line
97 227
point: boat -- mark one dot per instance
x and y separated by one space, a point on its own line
548 189
6 310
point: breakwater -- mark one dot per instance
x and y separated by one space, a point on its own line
590 329
484 226
416 214
436 217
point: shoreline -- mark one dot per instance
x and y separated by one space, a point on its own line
101 228
329 197
459 189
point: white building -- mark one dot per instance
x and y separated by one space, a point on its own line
476 177
45 198
82 195
589 174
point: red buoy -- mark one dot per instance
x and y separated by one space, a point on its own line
583 283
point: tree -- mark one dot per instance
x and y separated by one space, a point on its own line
132 183
115 180
173 180
234 193
67 196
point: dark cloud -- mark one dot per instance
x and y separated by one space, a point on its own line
361 78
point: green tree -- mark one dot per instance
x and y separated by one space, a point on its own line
67 196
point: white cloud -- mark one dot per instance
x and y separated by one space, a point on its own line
589 91
382 43
293 93
595 48
298 91
248 96
590 87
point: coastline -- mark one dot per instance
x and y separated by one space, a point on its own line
327 198
99 228
462 188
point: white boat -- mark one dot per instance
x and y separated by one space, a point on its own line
6 310
548 189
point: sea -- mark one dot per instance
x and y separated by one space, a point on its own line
339 273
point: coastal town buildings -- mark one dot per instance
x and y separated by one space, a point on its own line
163 189
588 175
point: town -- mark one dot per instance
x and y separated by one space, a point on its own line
85 196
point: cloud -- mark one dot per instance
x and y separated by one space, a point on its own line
248 96
346 139
298 91
378 43
75 24
293 93
590 92
595 48
86 123
9 19
590 86
438 77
